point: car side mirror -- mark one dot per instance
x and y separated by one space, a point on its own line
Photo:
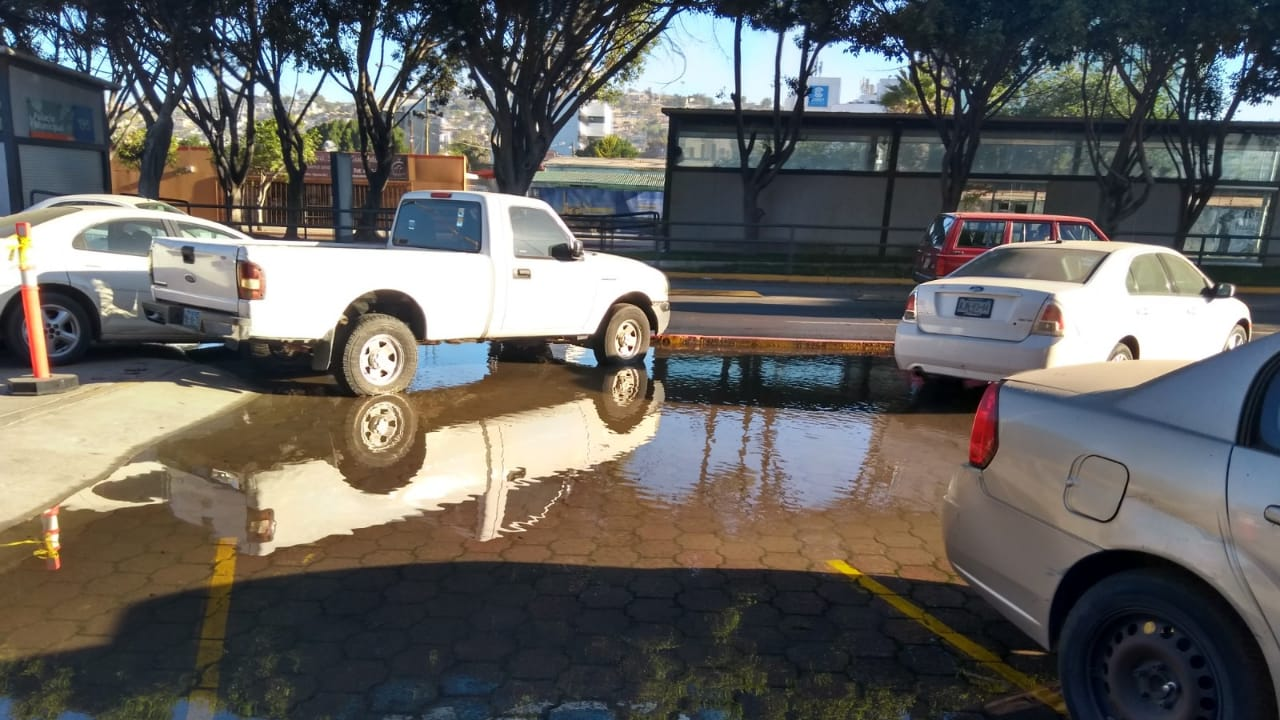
567 251
1221 290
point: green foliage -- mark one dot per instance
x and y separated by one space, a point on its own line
610 146
344 134
128 149
268 153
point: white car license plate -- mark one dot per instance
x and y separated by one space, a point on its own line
191 318
973 307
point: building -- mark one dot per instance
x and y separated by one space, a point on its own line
871 181
53 131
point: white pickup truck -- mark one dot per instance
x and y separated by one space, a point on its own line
457 267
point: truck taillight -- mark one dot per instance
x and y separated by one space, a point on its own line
251 282
983 439
1050 321
909 312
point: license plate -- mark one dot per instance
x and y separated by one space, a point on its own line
191 318
973 307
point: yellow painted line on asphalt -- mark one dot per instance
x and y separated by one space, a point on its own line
878 348
213 632
944 632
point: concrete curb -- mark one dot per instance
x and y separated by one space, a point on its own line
875 348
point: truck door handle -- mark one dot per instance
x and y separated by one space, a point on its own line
188 255
523 273
1272 514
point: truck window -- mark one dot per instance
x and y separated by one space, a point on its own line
1076 231
535 232
438 224
981 234
1031 232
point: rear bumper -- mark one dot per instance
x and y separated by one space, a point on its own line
979 358
199 322
662 312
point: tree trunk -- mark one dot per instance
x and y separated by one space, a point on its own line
155 156
751 214
295 201
367 227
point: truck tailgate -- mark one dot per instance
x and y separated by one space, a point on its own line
197 273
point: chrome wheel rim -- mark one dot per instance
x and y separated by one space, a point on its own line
381 360
380 426
1235 340
626 340
1144 666
625 387
62 331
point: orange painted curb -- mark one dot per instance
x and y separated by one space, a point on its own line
878 348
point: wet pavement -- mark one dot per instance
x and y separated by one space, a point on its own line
705 537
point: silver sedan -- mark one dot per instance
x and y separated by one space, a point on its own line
1127 515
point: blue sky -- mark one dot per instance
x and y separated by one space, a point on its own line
695 56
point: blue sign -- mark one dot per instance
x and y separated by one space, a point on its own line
818 95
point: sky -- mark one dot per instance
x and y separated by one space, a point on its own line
695 56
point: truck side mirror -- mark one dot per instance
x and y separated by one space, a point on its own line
567 251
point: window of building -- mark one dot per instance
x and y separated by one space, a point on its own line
1027 156
1008 196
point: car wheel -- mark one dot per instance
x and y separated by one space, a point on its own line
625 337
379 357
1147 644
1238 337
382 449
67 330
624 398
1120 353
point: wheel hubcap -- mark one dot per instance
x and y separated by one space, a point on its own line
380 426
626 341
62 331
1235 341
1147 668
381 359
626 386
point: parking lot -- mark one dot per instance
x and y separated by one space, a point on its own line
719 536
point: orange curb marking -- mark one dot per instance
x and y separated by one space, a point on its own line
875 348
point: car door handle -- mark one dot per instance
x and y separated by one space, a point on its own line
1272 514
522 273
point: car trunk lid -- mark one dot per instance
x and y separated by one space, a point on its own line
981 308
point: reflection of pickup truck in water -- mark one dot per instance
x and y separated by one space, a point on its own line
458 266
286 471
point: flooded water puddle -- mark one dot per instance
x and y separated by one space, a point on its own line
526 540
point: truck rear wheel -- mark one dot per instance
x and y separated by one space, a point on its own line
379 357
625 337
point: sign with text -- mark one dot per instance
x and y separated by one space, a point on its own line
319 168
52 120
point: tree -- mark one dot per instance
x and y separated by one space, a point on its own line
269 161
72 36
128 146
534 64
220 99
967 59
610 146
154 41
763 151
389 55
344 134
901 96
1231 60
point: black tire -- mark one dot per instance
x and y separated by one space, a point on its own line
1237 337
68 330
624 398
1120 353
378 357
1147 644
624 338
381 448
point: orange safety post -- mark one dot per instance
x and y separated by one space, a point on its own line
31 308
52 539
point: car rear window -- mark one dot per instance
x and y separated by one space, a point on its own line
1053 264
936 235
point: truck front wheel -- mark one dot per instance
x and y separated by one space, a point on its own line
625 337
379 357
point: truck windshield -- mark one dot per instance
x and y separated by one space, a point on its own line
439 224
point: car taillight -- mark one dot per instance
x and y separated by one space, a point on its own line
983 440
251 282
909 312
1050 321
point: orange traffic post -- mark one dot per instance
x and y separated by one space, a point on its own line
52 552
41 381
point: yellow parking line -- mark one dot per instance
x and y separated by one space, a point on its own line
213 632
951 637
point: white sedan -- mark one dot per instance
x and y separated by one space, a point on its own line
105 199
1038 305
93 266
